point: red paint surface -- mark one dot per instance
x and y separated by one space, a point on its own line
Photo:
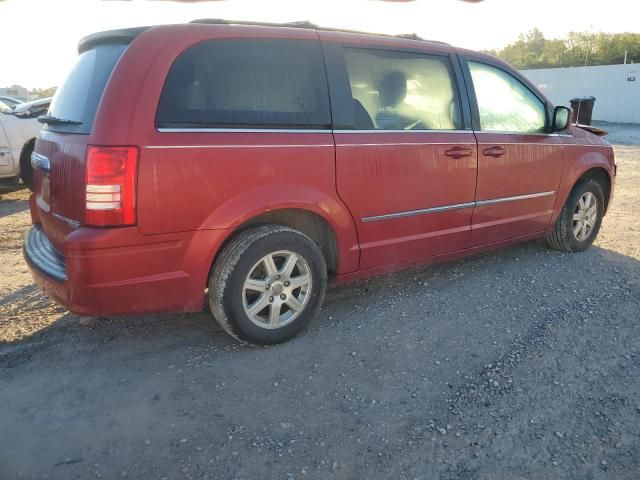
195 189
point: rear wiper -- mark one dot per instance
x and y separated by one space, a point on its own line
57 121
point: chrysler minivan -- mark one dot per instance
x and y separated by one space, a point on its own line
247 166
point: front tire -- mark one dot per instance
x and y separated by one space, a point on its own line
580 219
267 284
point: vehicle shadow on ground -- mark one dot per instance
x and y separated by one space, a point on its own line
11 206
173 332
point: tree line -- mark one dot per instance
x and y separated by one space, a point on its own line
532 50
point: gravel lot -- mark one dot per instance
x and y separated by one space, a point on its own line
518 364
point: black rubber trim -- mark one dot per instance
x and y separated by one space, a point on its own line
40 254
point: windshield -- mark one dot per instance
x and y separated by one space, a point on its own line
4 108
78 97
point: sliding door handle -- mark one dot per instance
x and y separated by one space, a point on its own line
459 152
494 152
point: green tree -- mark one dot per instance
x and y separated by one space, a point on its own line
532 50
43 92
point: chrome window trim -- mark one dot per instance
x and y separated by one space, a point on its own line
404 144
381 144
403 131
374 131
456 206
287 145
537 134
242 130
297 130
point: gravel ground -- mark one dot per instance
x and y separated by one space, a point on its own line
518 364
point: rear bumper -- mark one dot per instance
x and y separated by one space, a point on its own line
106 272
41 255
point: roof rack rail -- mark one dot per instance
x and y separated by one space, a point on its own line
308 25
222 21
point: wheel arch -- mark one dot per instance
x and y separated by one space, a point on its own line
600 175
310 223
596 164
322 217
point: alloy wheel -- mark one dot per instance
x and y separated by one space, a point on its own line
585 216
277 289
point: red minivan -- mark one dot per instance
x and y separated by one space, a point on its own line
248 165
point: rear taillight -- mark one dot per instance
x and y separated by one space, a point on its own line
110 198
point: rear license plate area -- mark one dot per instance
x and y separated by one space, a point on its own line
44 197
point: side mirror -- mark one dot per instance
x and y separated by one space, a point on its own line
561 118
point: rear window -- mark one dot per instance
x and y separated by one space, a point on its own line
246 83
78 97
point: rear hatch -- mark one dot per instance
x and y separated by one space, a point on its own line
60 151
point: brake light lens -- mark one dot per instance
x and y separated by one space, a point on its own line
110 198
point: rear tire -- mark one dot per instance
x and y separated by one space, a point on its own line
267 284
580 219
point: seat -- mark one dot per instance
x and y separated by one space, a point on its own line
361 118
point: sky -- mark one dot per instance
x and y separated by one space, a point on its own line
38 38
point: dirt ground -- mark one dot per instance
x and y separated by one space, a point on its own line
518 364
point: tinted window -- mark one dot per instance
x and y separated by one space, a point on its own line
247 83
505 104
78 97
401 91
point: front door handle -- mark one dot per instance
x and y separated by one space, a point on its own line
458 152
494 152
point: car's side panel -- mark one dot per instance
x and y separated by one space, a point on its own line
360 274
7 164
518 173
583 151
190 180
16 132
201 181
516 191
120 271
409 197
409 200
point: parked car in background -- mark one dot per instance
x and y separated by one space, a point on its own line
18 131
32 109
256 163
10 101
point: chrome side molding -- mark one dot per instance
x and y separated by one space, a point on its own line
422 211
480 203
457 206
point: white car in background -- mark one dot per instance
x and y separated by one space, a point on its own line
10 101
19 128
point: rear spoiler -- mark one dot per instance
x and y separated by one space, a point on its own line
121 36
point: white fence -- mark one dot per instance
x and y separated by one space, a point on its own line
616 88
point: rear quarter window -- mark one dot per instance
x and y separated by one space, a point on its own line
78 97
246 83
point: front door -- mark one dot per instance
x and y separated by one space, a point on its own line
519 165
407 170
